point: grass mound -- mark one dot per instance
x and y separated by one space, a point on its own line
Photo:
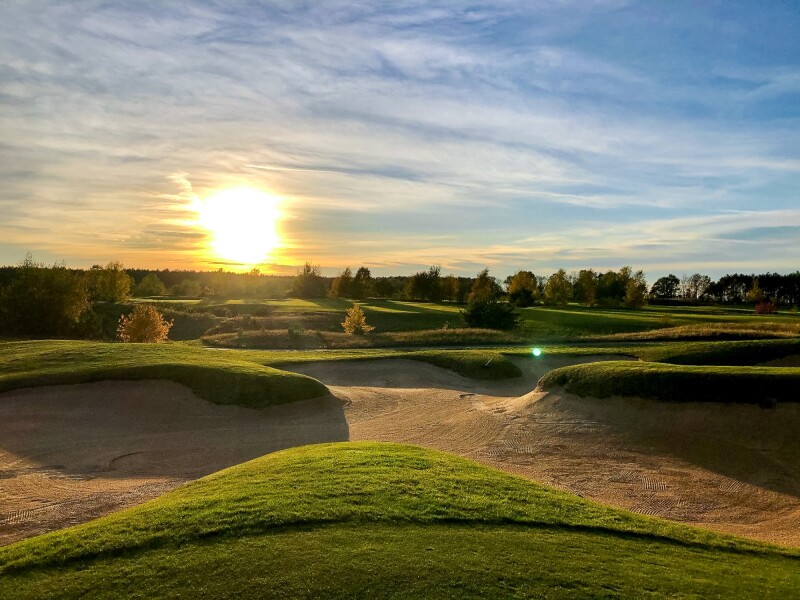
730 353
385 520
219 377
678 383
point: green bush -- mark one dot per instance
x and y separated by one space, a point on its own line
490 314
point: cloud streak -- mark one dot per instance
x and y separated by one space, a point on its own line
390 128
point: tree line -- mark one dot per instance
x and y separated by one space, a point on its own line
40 300
738 288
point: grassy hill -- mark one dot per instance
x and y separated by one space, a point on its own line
219 377
385 520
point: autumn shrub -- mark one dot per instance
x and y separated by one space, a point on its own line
766 308
355 322
143 324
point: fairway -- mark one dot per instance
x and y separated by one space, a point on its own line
299 324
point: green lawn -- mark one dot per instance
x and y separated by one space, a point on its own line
385 520
254 323
219 377
571 322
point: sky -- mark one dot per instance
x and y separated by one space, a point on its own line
535 134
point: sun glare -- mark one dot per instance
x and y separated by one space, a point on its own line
243 223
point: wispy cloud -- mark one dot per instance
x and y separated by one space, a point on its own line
389 128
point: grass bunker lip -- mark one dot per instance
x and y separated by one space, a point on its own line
763 386
222 378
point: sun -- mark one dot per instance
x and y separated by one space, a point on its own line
243 223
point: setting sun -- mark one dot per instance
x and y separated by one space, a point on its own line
243 223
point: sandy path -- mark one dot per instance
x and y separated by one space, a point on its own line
70 453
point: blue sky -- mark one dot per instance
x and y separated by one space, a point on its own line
509 135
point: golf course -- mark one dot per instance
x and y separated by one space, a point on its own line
555 459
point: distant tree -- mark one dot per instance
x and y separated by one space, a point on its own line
355 322
109 284
43 301
451 288
484 288
150 285
384 287
666 287
584 289
425 285
483 308
694 286
342 286
189 288
362 283
522 288
143 324
609 291
558 289
309 283
636 291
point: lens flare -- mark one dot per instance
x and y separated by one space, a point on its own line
536 351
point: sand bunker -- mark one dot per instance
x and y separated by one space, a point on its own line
70 453
731 468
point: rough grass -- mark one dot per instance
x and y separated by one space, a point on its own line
678 383
222 378
384 520
283 339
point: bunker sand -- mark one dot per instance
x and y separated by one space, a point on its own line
71 453
730 468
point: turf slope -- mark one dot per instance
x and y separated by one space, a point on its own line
219 377
385 520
